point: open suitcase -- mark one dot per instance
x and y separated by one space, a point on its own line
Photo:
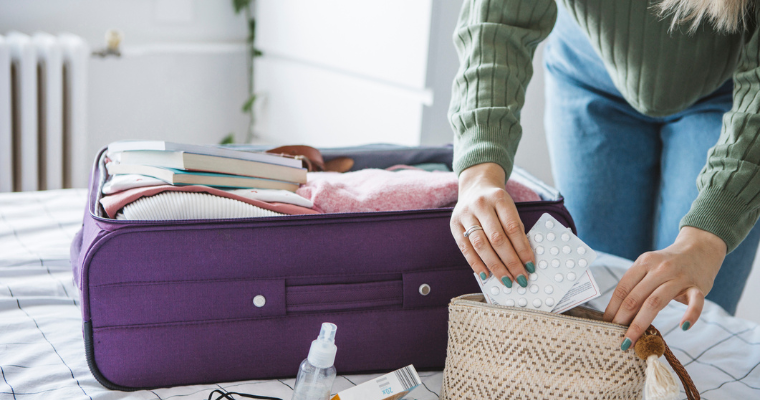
171 303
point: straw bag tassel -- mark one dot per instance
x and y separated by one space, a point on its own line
660 384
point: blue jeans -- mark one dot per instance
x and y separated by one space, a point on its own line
627 178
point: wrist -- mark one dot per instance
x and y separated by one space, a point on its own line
695 237
486 174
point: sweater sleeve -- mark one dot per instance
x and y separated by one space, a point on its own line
728 204
495 40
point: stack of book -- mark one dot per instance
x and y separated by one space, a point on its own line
185 164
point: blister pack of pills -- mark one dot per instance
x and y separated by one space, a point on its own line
562 279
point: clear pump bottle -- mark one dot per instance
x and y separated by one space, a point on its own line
317 373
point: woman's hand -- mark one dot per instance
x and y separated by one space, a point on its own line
501 247
684 271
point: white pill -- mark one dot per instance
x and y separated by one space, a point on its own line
522 302
581 250
570 264
549 301
536 303
582 263
554 251
566 250
534 288
533 276
549 289
538 238
539 250
521 290
549 224
494 290
555 263
565 237
550 237
542 264
506 290
559 277
571 276
509 303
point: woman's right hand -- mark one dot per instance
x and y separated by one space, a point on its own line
502 246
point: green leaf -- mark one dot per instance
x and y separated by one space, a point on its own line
229 139
251 31
257 53
240 5
248 105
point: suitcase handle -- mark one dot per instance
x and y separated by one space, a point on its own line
344 297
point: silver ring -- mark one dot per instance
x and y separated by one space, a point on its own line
472 229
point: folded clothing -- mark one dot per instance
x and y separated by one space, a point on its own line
370 190
115 202
189 205
120 183
395 189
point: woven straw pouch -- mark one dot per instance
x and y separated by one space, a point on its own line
497 352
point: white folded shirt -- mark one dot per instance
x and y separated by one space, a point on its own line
120 183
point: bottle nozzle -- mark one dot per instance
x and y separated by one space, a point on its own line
327 332
322 351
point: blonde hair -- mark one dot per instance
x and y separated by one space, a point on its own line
727 16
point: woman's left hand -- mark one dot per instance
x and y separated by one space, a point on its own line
684 271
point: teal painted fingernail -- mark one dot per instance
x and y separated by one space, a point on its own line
685 326
506 281
522 281
626 344
483 276
530 267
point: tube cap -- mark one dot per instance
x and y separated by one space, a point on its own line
323 349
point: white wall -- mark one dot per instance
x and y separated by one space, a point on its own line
344 72
182 76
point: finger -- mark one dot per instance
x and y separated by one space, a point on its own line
629 280
503 248
649 310
515 231
457 230
482 246
696 300
636 298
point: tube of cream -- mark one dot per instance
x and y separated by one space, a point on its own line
392 386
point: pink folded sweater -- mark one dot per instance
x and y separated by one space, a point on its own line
383 190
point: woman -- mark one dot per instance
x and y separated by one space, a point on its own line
634 104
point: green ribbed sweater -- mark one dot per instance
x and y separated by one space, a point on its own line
658 73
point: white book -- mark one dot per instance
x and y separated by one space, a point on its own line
221 165
160 145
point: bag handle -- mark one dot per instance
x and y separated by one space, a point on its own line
312 158
688 385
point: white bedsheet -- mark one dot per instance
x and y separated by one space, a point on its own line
42 352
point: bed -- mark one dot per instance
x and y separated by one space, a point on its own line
42 352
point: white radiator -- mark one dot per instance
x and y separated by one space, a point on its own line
43 99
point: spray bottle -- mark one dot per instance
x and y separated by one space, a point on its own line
317 373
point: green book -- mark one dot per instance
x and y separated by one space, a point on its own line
179 177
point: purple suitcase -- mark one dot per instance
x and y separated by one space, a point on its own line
170 303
